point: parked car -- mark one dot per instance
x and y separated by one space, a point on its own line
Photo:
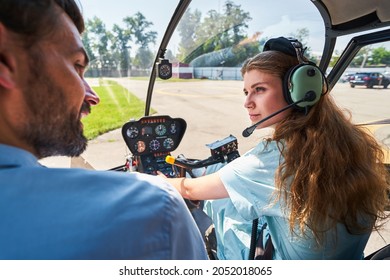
370 79
347 77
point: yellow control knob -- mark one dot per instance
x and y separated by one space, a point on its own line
170 159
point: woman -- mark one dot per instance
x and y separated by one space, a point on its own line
316 180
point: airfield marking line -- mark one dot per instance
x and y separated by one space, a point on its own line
165 92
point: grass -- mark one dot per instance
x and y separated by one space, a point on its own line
117 106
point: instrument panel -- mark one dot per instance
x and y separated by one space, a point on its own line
150 139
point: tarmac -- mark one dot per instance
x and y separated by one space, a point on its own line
109 150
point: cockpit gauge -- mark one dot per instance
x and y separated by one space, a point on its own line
132 132
147 131
140 146
160 130
164 69
154 145
168 143
173 128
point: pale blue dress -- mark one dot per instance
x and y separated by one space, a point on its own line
249 181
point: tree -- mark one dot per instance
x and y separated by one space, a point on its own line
234 24
221 31
144 58
120 47
220 35
186 29
87 45
111 50
98 39
138 26
361 57
380 56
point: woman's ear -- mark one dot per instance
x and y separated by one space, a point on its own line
7 61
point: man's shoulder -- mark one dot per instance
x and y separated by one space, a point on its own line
130 181
127 192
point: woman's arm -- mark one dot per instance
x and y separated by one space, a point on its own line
201 188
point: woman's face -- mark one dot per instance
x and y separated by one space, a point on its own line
264 96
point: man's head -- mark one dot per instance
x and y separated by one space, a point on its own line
43 94
37 18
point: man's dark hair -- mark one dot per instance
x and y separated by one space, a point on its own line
36 18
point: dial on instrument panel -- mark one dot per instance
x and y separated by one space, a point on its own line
147 131
132 132
160 129
140 146
173 128
164 69
154 145
168 143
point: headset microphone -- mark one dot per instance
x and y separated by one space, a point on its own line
309 96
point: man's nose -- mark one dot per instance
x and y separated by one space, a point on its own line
90 95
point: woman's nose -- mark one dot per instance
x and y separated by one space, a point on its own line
90 95
248 102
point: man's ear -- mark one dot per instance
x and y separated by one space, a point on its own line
7 61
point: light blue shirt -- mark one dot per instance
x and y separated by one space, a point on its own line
61 213
250 182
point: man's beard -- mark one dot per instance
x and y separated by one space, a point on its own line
51 128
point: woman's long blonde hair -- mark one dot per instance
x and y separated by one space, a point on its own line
332 170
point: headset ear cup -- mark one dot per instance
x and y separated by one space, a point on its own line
301 79
286 85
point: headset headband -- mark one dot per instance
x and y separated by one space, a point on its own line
289 46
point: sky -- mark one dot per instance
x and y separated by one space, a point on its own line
270 16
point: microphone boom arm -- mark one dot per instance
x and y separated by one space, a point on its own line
309 96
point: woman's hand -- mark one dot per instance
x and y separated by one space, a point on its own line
201 188
162 175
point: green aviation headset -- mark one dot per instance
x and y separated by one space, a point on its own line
304 83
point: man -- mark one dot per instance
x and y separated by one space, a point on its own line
49 213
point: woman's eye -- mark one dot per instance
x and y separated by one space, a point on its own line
255 90
258 89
